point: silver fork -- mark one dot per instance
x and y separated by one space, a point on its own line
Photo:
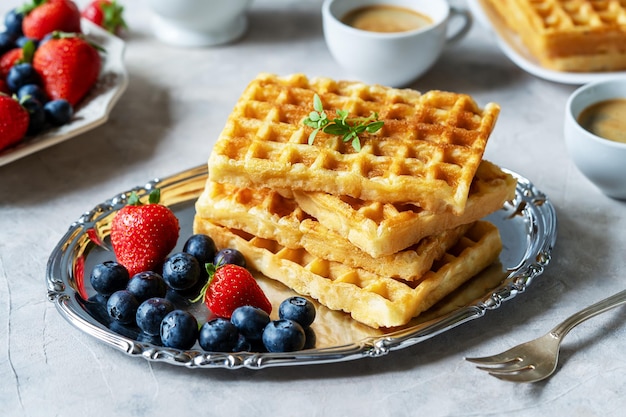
536 360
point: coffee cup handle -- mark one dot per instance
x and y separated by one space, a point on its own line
466 18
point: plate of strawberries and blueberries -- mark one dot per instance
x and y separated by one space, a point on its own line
149 293
48 66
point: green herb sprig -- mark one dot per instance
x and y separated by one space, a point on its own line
349 128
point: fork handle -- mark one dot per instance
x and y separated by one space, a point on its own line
593 310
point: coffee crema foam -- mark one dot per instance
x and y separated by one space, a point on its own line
386 19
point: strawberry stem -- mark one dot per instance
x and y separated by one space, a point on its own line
57 34
28 7
28 52
134 200
113 16
155 196
210 268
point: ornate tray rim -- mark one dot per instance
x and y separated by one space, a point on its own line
66 257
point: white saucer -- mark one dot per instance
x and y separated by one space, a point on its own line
94 109
514 49
172 34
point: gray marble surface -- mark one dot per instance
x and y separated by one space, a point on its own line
167 121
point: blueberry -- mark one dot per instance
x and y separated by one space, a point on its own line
283 336
46 38
122 307
151 313
58 112
146 285
193 292
229 256
310 338
108 277
13 22
298 309
218 335
181 271
201 247
21 74
181 299
7 42
36 115
23 40
250 321
242 345
34 91
179 329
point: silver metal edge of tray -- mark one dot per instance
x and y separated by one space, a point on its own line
529 202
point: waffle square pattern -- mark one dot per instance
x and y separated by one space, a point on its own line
382 233
569 35
267 214
426 153
380 229
372 299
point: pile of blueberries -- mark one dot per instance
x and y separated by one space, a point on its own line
149 300
24 82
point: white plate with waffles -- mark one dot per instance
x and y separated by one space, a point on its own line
527 226
516 51
94 109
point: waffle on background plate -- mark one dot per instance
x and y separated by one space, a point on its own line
290 206
569 35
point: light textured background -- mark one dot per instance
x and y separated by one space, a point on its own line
167 121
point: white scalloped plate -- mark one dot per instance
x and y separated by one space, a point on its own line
94 109
527 226
516 51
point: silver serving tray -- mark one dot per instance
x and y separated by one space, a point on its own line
527 226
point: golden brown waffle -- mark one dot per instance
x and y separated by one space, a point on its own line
427 151
267 214
372 299
569 35
384 228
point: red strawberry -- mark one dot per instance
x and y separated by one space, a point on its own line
68 65
107 14
143 234
46 16
13 121
16 55
3 87
8 59
231 286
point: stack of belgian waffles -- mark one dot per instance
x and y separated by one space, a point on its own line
382 233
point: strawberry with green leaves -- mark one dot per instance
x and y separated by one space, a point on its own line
15 56
46 16
69 66
8 59
231 286
107 14
13 121
143 235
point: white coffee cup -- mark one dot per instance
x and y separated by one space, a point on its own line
601 160
199 22
392 59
